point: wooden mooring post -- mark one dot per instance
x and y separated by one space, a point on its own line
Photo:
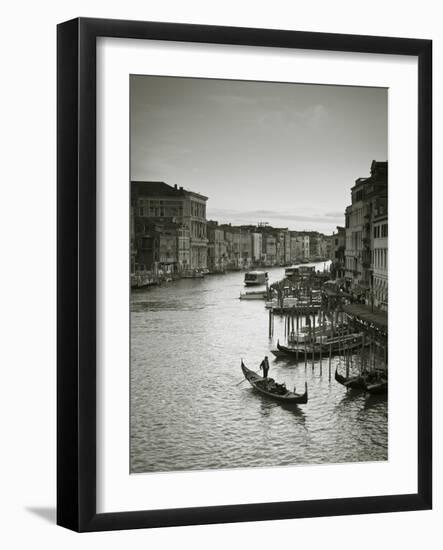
313 339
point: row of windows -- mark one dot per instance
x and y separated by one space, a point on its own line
160 212
380 258
357 216
380 289
198 210
155 203
381 231
354 240
351 264
198 230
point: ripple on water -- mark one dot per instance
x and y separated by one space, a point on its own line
188 411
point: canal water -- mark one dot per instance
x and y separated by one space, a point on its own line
188 411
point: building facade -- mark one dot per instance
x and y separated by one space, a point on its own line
156 201
257 244
368 210
380 256
217 249
338 253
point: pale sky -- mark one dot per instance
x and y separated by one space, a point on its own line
286 154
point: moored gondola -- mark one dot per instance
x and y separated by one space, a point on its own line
268 387
316 350
378 388
377 383
351 382
298 351
278 354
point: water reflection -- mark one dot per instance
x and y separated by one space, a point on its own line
188 410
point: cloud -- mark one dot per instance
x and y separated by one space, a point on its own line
311 117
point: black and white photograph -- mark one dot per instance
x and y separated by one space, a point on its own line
259 274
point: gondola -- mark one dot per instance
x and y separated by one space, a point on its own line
277 353
298 351
377 384
268 387
377 388
317 349
352 382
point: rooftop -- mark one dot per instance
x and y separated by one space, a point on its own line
365 313
162 189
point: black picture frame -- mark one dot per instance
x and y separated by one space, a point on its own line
76 280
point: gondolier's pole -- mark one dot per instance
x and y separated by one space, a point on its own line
244 379
306 358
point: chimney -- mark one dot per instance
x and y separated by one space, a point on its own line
175 186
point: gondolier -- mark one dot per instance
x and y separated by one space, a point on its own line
272 389
264 366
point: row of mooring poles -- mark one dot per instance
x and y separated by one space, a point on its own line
313 320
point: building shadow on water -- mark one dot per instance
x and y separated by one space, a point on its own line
372 401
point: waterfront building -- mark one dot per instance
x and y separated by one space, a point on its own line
132 240
328 247
283 246
306 246
231 246
183 248
338 253
235 252
217 257
257 245
380 253
156 199
296 252
246 248
157 242
269 249
304 239
367 195
314 246
357 272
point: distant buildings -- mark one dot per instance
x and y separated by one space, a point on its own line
366 247
171 235
338 253
217 248
300 246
